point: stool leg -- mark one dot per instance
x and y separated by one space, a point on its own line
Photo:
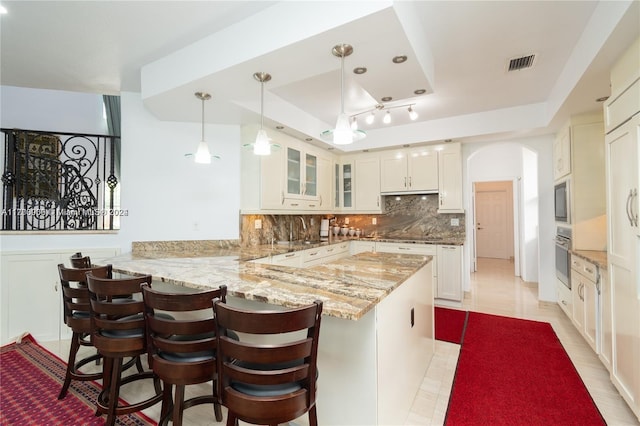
75 345
167 404
114 391
178 405
313 419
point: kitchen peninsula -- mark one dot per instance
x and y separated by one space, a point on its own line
376 338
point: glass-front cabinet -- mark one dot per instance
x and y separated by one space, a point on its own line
343 185
301 187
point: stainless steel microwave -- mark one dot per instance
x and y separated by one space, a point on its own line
562 202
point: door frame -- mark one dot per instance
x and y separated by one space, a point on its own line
516 190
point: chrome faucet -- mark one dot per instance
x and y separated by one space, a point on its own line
304 227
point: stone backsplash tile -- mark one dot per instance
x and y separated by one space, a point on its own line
404 217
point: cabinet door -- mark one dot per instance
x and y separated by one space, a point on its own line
347 186
450 180
337 179
367 195
605 320
590 295
622 180
449 273
393 173
310 188
294 172
325 184
271 181
423 171
32 302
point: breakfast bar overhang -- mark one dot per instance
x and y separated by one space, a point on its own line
377 332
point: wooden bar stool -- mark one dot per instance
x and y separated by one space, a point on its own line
75 304
118 331
268 383
182 349
77 260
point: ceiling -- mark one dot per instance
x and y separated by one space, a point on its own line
457 51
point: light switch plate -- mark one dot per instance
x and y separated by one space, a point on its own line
258 224
455 222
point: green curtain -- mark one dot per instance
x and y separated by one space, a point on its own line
112 107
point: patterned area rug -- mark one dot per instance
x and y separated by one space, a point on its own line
30 380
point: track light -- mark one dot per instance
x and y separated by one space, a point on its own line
354 123
370 117
412 114
387 118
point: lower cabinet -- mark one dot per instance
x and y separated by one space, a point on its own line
30 284
564 298
605 325
424 249
585 299
449 285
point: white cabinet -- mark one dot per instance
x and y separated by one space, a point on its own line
324 254
562 153
605 320
564 298
367 185
343 185
450 179
30 284
585 299
423 249
296 179
288 259
361 246
409 171
622 121
449 273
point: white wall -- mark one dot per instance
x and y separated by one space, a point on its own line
165 194
507 160
168 196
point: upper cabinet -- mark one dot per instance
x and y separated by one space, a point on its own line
367 185
450 179
409 171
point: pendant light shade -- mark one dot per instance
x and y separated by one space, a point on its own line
262 146
203 155
343 133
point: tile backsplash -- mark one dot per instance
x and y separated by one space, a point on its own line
404 217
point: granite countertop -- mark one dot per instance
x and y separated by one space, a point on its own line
349 287
599 258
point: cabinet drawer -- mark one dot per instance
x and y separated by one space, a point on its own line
300 204
425 249
585 268
622 107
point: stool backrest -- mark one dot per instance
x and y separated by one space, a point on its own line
268 362
75 294
118 326
77 260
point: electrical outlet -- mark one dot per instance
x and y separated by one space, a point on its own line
346 220
257 224
455 222
374 221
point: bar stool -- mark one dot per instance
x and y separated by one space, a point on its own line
268 383
75 304
77 260
182 349
118 331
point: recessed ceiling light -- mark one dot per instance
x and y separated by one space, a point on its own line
602 99
279 127
399 59
359 70
330 148
406 145
448 140
3 10
308 139
419 91
365 150
386 99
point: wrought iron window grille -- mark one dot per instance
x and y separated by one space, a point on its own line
59 181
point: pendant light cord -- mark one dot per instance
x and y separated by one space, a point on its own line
203 119
342 81
261 105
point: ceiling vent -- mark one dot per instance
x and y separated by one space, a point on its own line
523 62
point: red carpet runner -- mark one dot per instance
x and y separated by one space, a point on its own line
30 379
516 372
449 324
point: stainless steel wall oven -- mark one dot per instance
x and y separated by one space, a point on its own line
563 257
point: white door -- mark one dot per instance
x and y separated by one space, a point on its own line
492 223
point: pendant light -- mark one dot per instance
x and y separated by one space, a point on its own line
262 146
203 156
342 134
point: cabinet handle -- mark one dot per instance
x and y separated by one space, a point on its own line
378 202
289 255
405 181
564 302
409 181
313 254
282 197
321 200
581 291
628 207
312 205
294 204
303 187
634 216
330 250
589 270
404 248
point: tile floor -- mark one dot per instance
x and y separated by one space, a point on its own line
494 290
